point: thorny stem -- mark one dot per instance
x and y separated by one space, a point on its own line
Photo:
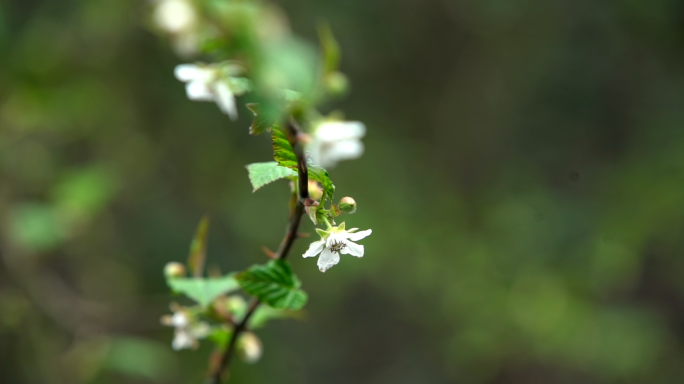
226 355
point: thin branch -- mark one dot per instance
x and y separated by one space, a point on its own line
283 251
302 170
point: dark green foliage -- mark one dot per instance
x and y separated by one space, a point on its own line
275 284
284 154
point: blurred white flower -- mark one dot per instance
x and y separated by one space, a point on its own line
188 330
334 241
213 83
333 141
249 347
179 19
174 16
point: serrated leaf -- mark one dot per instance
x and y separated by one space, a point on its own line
283 152
261 174
274 284
262 121
198 248
284 155
203 291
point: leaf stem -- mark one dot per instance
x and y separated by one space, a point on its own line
215 375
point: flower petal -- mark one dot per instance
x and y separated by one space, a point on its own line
200 330
359 235
340 130
226 100
335 237
314 149
352 249
345 150
180 320
314 249
327 260
199 90
182 339
331 153
167 320
188 72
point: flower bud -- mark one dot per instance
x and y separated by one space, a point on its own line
249 347
174 269
237 305
347 205
336 84
315 190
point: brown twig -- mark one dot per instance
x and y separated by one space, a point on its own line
285 245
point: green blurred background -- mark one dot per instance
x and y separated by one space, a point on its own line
524 180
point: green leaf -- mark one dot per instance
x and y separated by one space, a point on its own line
274 284
264 314
198 248
203 291
284 155
262 121
261 174
321 175
283 152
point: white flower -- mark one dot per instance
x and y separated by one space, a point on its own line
187 331
174 16
249 347
179 19
213 83
334 241
334 141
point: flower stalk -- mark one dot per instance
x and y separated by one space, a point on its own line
216 374
249 39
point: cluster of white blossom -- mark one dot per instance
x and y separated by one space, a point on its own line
329 140
187 329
